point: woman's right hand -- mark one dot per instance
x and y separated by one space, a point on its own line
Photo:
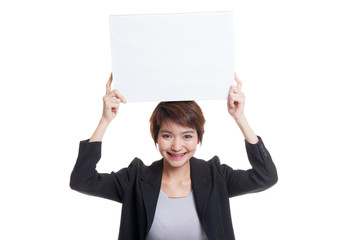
112 101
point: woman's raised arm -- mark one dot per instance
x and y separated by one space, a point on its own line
236 103
111 104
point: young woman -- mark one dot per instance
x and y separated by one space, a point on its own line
179 196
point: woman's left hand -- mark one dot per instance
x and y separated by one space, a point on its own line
236 100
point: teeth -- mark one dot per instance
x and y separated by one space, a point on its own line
177 155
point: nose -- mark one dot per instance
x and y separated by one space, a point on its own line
176 145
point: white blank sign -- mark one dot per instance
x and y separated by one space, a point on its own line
172 57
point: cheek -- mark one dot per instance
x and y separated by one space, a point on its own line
192 145
162 144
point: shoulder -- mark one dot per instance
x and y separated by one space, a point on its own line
139 165
200 162
149 173
212 166
206 166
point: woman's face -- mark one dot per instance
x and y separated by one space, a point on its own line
177 144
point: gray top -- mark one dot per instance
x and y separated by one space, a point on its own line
176 219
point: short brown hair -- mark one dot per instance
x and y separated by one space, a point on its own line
184 113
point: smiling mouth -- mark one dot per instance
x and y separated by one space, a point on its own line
176 156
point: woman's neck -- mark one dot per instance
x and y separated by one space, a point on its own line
177 174
176 182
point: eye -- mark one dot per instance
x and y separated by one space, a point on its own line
188 136
166 136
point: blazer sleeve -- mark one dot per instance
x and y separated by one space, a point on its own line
261 176
85 178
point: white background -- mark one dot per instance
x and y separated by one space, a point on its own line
299 62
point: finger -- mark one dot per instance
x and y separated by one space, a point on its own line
234 89
237 97
112 101
235 101
111 105
231 96
117 94
230 104
115 100
109 99
238 82
108 84
231 100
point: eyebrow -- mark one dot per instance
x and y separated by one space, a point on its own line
167 131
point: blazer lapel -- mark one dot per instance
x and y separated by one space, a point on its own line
150 187
201 183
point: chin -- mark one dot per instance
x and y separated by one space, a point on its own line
176 164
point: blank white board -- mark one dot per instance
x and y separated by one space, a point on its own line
172 57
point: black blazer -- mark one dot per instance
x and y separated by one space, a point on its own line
137 187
